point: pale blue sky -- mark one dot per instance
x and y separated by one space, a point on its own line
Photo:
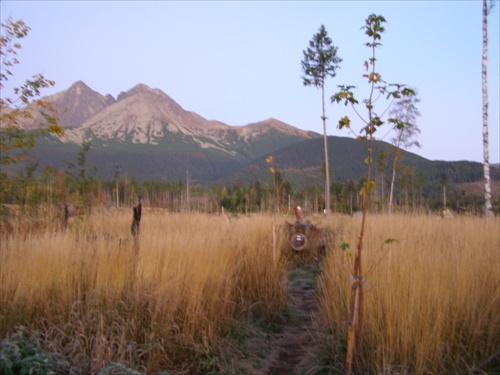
239 62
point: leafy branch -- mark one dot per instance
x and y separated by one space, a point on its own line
25 107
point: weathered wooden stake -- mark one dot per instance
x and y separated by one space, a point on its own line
66 216
136 219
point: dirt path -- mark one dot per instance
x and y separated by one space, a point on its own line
293 347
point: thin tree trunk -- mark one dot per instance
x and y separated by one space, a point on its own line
351 338
413 195
355 328
488 209
406 198
358 272
382 183
393 179
117 194
444 197
327 167
350 202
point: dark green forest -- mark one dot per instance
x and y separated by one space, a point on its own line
421 185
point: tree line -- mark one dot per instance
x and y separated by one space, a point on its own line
78 185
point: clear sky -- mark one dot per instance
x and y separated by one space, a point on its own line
239 61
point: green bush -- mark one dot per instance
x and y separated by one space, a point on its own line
20 354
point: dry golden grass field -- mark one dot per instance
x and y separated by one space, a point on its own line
199 294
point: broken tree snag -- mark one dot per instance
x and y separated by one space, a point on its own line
136 219
66 216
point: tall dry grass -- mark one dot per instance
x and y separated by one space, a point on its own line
432 302
169 300
162 302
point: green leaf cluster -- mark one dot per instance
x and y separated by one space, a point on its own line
20 355
378 87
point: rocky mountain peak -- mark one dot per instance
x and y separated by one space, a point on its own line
78 103
139 89
154 102
78 87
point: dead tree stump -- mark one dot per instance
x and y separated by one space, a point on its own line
136 218
66 216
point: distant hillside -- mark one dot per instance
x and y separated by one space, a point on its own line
168 161
301 164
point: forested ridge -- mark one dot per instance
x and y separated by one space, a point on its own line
184 180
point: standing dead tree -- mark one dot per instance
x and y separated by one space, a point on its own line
136 218
66 216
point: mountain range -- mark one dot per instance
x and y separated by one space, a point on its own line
146 135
